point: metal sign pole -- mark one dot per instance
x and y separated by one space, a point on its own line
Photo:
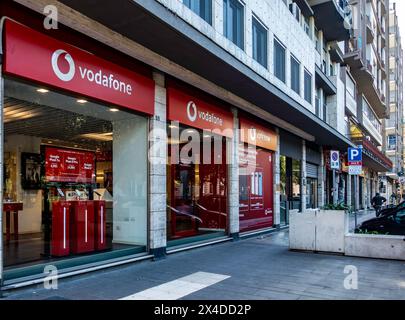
355 200
333 186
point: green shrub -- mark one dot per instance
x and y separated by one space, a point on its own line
339 206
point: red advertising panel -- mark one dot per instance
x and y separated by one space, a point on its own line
258 135
35 56
196 112
69 165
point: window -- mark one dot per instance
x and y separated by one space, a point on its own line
392 142
308 86
317 41
295 75
295 10
201 7
317 104
370 115
259 43
279 61
233 22
350 86
307 27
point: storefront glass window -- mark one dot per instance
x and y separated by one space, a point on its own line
75 183
283 191
290 178
296 183
312 194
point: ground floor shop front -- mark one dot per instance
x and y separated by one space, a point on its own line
108 160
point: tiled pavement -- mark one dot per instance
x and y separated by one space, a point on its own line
258 268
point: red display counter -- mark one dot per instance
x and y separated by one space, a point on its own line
100 241
82 227
60 241
8 208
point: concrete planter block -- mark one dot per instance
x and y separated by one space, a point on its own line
375 246
331 227
302 230
318 230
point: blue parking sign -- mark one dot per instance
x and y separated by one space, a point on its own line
355 155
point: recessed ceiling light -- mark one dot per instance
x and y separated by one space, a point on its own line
42 90
114 110
81 101
50 142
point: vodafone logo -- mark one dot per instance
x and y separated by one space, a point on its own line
193 114
66 77
192 111
91 76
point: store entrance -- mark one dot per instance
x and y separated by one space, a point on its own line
197 191
256 192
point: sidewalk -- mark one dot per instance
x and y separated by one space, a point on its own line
256 268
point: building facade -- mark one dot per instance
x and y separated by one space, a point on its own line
141 128
366 78
394 125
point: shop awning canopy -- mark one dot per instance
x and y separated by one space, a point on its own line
152 25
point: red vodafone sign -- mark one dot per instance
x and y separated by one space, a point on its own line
194 111
35 56
258 135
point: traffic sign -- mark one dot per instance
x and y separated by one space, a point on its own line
334 160
355 156
355 170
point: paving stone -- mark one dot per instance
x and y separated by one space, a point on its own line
259 268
